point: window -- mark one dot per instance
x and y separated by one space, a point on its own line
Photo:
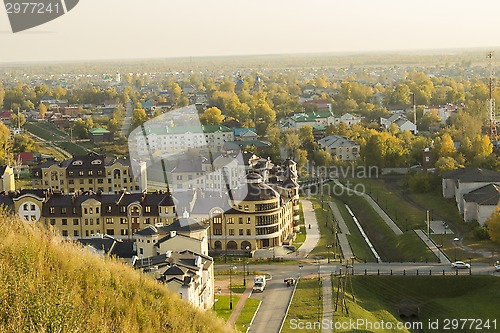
248 220
80 173
33 208
230 220
108 209
86 221
74 210
25 206
91 221
240 232
123 220
75 221
81 181
91 210
100 181
109 220
65 233
217 232
97 210
123 232
85 211
91 181
52 221
75 233
90 172
52 210
148 209
64 221
240 220
148 220
249 232
123 209
246 208
231 232
63 210
110 232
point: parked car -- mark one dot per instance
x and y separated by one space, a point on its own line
459 265
497 266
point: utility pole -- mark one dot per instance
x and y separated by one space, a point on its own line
414 112
491 101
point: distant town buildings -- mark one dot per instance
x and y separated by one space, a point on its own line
319 118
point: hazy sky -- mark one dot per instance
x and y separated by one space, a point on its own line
114 29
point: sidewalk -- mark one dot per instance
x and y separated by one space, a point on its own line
326 283
312 234
239 306
437 252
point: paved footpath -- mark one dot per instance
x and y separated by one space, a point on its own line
312 234
394 227
345 247
239 306
437 251
326 283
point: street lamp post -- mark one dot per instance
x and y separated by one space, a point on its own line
456 239
230 287
328 247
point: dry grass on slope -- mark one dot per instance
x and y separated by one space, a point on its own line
49 285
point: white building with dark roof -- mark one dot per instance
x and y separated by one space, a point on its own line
186 273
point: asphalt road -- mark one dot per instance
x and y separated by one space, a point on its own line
277 295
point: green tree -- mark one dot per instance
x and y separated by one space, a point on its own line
481 147
23 143
2 95
493 223
292 142
301 157
446 164
307 139
446 146
17 119
139 117
81 128
42 109
6 155
212 116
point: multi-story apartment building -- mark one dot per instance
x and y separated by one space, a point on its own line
254 216
91 172
119 215
161 140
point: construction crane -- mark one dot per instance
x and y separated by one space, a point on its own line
491 102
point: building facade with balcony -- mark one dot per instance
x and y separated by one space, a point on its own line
91 172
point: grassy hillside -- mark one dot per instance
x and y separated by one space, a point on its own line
47 285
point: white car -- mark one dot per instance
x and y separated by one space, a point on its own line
497 268
460 264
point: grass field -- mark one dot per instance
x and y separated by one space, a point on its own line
300 237
390 247
304 307
222 306
405 215
433 298
395 299
246 315
356 240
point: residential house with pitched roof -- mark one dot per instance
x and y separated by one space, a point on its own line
186 273
474 181
481 203
342 148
